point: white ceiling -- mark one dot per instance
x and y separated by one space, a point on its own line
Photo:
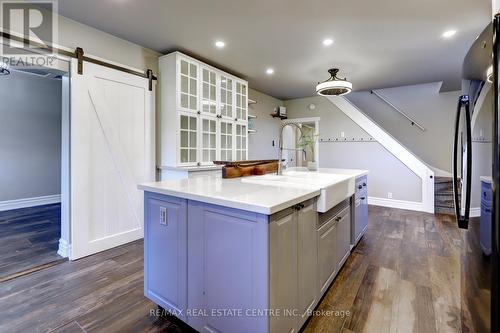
378 43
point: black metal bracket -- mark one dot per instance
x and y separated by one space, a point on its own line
79 56
150 76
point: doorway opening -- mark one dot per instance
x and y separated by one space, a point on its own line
301 146
34 172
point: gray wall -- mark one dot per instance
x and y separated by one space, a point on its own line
387 174
423 102
30 136
98 43
260 144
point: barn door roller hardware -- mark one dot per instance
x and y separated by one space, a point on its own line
79 54
79 57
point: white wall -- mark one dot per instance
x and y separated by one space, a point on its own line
30 136
387 174
432 109
260 144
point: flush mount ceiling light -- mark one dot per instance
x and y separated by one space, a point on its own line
269 71
220 44
449 33
327 41
334 86
4 69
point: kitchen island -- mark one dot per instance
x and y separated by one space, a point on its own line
228 255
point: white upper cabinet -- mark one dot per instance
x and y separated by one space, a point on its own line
226 101
188 85
203 113
241 101
209 91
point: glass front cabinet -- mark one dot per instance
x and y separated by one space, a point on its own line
203 113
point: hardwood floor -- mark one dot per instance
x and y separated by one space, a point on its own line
404 276
29 239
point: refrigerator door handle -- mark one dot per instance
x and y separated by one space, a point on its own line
462 220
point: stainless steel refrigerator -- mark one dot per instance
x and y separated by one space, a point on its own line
479 269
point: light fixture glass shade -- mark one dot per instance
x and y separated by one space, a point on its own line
334 86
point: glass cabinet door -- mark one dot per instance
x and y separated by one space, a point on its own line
226 97
188 139
241 142
226 140
241 101
188 99
209 92
209 140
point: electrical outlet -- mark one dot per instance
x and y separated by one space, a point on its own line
163 216
389 195
342 134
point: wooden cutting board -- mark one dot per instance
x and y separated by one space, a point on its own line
235 169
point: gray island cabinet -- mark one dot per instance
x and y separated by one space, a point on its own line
256 261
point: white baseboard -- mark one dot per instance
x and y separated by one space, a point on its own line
29 202
475 212
64 248
393 203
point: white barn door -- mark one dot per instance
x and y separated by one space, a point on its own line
112 150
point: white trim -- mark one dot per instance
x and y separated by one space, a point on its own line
475 212
29 202
394 147
393 203
64 248
314 120
479 103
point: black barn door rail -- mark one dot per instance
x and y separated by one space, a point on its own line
79 54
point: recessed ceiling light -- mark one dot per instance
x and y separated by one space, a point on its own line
449 33
327 41
220 44
269 71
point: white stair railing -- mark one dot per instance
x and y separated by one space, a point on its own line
394 147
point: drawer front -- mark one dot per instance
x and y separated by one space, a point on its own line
327 267
486 193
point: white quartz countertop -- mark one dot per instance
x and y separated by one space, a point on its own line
486 179
234 193
264 198
351 172
192 168
348 172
